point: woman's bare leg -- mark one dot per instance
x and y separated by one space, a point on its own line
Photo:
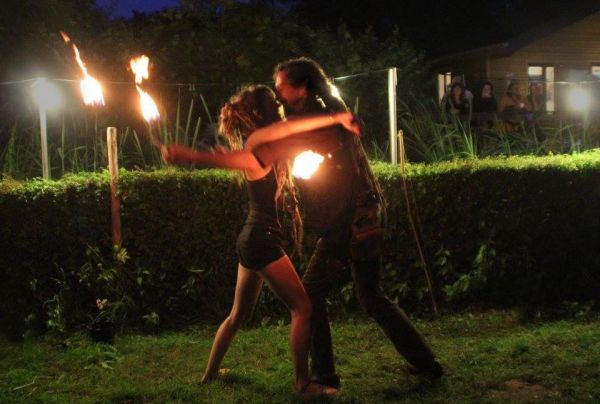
285 282
247 290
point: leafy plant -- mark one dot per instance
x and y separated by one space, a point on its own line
474 282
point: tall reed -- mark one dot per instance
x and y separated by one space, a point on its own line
432 135
77 141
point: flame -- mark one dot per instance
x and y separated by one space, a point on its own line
139 67
149 108
91 90
306 164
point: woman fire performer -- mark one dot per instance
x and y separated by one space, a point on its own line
254 113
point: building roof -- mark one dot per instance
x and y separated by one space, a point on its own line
507 47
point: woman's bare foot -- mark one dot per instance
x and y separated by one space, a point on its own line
314 390
209 377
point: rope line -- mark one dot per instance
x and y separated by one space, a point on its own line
340 78
189 85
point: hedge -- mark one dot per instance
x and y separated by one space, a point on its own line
503 231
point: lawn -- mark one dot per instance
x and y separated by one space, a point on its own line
489 357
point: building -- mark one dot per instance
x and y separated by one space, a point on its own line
563 55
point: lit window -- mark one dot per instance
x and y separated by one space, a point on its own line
596 71
544 75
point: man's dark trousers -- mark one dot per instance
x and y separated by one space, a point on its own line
330 259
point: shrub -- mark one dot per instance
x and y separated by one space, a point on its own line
504 231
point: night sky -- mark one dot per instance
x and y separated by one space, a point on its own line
125 8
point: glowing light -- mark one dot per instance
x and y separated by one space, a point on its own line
335 92
139 67
46 94
47 97
306 164
579 99
91 90
149 108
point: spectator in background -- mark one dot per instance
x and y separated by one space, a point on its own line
458 104
536 101
455 80
512 108
485 106
535 105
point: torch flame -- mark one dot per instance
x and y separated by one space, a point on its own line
306 163
91 90
149 108
139 67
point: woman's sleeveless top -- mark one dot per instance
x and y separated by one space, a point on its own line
260 241
261 199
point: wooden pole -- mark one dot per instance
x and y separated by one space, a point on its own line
113 168
393 118
413 225
44 144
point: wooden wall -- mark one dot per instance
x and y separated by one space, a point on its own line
574 47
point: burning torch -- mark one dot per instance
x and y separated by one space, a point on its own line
139 67
91 90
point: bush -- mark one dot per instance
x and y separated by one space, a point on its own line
510 231
505 231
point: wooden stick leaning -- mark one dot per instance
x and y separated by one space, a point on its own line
411 220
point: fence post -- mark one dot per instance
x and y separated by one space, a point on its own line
44 144
113 168
392 82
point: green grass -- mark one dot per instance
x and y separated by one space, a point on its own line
489 357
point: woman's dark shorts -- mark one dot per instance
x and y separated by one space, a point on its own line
259 244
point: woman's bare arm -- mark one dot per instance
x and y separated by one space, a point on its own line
235 160
291 127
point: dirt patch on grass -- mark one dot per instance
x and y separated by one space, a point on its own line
519 391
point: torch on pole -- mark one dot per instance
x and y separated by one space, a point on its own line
113 168
139 67
413 226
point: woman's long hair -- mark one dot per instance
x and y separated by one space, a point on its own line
251 108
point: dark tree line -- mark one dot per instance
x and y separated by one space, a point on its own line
212 41
434 27
216 44
222 44
225 40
